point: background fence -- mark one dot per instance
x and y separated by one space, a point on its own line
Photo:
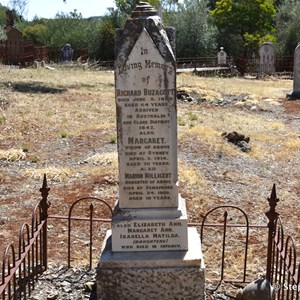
25 52
21 269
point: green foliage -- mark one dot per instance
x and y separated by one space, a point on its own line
113 139
126 6
243 23
240 26
106 41
34 32
2 22
25 148
63 134
65 28
2 15
288 27
195 33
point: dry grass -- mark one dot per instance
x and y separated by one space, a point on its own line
12 154
62 122
53 173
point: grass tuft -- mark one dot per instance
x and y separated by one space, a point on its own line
12 155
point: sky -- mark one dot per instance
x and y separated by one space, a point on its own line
49 8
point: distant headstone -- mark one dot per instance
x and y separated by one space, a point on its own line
150 251
66 53
296 85
222 57
267 59
14 44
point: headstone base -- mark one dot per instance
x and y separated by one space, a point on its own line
293 96
151 229
152 275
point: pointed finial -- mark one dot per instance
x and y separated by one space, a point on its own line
143 9
272 214
44 203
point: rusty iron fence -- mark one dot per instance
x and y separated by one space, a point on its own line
21 269
21 52
228 213
283 264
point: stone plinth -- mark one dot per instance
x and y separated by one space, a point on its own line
154 229
152 275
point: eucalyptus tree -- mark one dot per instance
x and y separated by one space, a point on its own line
244 24
19 6
195 33
288 27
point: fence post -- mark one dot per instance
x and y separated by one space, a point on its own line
44 205
271 215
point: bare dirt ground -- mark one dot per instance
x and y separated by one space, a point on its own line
62 122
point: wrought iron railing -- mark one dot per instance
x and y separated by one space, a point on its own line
21 268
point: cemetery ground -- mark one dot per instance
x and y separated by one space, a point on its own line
62 122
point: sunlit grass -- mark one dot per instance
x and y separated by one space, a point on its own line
12 154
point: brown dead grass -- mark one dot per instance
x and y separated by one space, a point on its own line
65 118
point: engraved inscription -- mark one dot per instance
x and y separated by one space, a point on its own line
146 100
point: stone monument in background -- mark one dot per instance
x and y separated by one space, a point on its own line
267 59
66 53
296 84
150 253
222 57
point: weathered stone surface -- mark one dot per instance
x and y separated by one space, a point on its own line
150 218
150 284
150 230
145 77
296 83
222 57
152 275
260 289
61 283
267 58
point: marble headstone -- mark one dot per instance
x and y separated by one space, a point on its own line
222 57
296 83
150 215
267 59
149 253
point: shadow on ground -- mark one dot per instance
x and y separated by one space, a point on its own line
34 88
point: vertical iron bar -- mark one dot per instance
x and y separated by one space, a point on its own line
91 233
271 215
69 241
274 261
246 252
298 282
224 246
280 275
44 204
